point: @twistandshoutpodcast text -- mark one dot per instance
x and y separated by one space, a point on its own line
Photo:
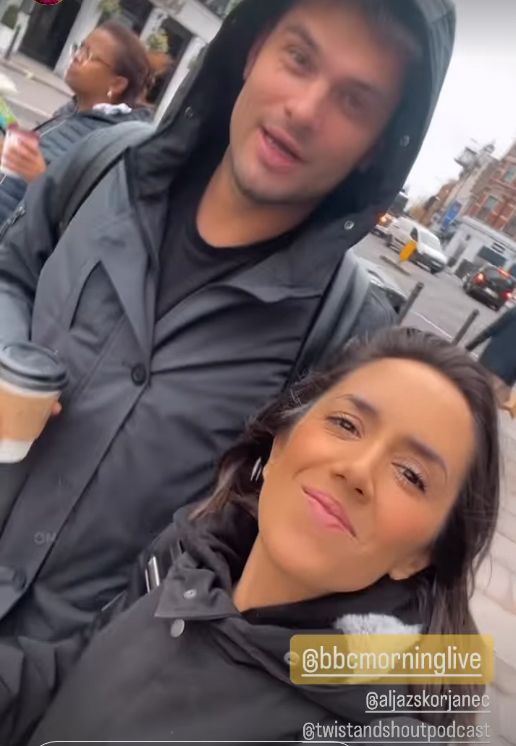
392 732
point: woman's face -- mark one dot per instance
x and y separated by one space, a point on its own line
92 70
362 485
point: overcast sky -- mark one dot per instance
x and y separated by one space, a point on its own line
478 102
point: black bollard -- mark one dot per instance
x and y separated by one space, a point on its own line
465 327
416 292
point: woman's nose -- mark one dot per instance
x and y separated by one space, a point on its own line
358 470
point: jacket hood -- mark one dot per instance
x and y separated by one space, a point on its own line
208 556
202 108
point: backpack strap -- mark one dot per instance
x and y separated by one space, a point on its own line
98 154
336 316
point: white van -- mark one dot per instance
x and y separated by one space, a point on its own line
429 252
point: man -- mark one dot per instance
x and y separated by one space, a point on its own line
499 356
179 295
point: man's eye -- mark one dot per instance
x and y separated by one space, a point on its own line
298 57
353 103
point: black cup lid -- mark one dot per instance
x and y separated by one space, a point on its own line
28 365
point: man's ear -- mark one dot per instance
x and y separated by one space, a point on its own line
254 52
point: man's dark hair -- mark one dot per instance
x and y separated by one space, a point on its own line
390 18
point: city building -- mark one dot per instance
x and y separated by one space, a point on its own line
493 201
46 34
454 197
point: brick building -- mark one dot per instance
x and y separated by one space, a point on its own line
493 201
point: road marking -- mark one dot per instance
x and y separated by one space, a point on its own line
427 321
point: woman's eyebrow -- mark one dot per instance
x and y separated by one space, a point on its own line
362 405
424 450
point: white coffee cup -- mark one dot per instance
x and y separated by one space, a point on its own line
31 382
13 135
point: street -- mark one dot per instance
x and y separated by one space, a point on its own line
39 93
442 307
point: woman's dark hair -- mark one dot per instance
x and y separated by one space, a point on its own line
131 60
466 536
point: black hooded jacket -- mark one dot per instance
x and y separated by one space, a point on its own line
183 664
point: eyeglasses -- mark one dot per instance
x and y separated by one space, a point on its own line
83 55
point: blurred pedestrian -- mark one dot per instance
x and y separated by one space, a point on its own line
499 356
108 73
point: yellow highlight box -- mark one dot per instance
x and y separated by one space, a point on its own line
391 659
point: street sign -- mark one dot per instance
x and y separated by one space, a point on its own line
451 214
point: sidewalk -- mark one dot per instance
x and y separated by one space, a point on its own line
494 601
38 91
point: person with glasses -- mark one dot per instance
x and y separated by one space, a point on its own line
108 74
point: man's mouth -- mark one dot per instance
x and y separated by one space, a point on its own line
282 143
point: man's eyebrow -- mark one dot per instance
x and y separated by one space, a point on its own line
303 33
424 450
299 30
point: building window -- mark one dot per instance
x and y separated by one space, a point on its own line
510 228
510 175
488 209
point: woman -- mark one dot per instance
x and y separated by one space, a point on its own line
107 74
499 356
378 495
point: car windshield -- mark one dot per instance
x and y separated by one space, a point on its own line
430 240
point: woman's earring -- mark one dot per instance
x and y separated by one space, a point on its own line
110 95
257 471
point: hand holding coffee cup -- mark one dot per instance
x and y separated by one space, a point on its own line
31 382
21 154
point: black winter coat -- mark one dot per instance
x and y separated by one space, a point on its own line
57 136
183 664
499 356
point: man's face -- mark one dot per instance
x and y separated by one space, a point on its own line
319 91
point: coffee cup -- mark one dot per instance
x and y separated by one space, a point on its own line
13 136
32 379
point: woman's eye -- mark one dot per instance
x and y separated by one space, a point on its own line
413 478
344 423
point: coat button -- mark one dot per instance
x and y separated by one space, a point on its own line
190 594
177 628
405 141
349 225
189 112
139 375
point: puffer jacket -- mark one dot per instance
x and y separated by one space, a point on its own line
58 135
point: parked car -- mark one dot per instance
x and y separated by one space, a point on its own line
428 254
490 285
384 283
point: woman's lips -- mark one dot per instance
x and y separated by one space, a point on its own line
328 511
